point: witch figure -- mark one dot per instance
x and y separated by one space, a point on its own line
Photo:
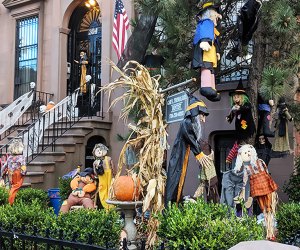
188 139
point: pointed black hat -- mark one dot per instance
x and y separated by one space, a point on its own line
239 89
196 107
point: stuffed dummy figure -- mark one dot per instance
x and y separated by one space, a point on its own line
241 109
82 186
264 116
281 146
188 139
262 186
207 49
247 22
83 62
263 148
15 168
103 168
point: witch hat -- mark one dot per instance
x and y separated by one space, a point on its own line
196 107
239 89
208 5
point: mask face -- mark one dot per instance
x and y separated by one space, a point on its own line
100 152
262 139
215 16
202 118
246 155
237 99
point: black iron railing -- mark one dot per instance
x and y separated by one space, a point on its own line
32 114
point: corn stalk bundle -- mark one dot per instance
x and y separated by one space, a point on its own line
149 132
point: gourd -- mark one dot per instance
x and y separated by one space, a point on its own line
125 189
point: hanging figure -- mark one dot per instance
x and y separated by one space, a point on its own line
281 145
241 110
207 49
103 168
246 25
15 168
188 139
262 186
83 68
264 116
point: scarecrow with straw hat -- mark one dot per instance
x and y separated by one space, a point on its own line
207 49
188 139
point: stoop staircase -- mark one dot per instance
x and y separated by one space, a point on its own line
62 147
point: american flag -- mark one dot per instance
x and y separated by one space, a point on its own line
121 25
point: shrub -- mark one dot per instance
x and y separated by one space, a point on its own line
203 225
3 196
64 188
291 188
288 220
104 226
27 196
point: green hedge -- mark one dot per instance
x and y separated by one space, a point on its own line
28 196
203 225
288 220
3 196
292 187
102 225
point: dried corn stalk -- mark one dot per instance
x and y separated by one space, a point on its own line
150 132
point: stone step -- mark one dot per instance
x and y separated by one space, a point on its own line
40 166
34 177
62 147
50 156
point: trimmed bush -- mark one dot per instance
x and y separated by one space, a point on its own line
3 196
64 188
291 188
288 220
203 225
28 196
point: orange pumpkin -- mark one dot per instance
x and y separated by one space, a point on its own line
124 189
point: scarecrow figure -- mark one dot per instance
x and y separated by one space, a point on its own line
262 186
103 168
264 116
15 168
281 145
207 49
188 139
241 110
82 186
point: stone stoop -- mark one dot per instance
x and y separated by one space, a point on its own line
43 172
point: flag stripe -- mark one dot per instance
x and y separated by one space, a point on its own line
120 27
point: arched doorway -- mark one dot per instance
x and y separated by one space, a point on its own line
85 35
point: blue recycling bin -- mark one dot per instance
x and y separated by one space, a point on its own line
55 200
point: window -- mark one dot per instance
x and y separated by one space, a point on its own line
26 54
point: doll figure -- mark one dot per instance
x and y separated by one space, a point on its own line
264 116
15 168
83 63
281 144
188 139
207 49
241 109
263 148
262 186
82 186
103 168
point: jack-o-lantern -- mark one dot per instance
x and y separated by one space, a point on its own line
125 189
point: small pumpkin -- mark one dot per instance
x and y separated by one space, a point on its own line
125 189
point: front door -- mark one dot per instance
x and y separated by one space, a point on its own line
85 35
